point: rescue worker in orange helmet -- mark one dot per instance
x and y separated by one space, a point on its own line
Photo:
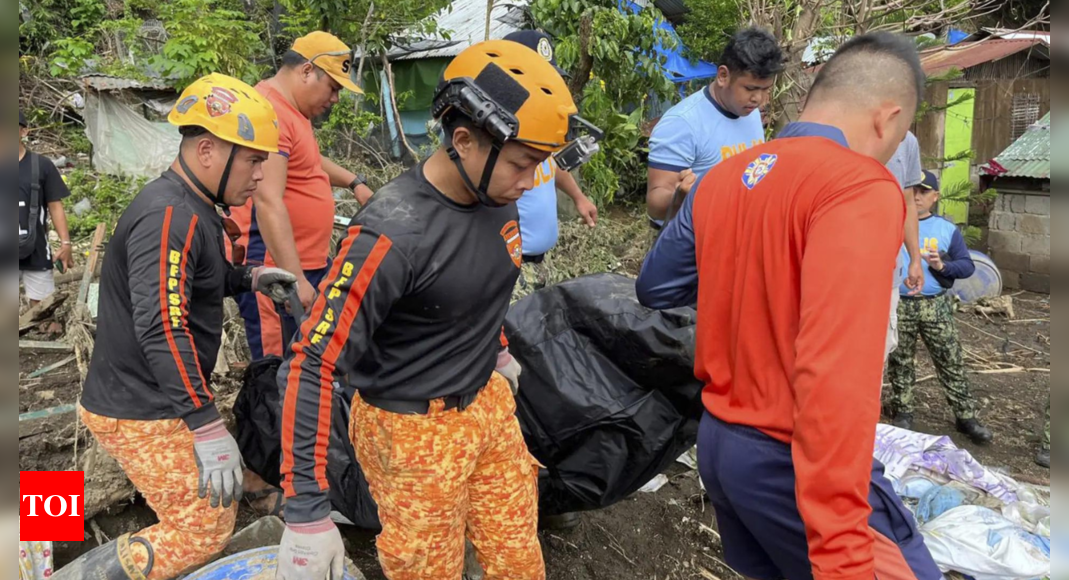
409 322
146 399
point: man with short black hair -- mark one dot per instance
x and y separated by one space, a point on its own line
410 323
148 399
290 220
41 195
788 250
721 121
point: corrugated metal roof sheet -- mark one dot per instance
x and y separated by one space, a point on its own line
969 54
105 83
1029 156
466 22
672 9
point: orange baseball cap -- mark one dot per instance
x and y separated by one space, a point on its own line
332 55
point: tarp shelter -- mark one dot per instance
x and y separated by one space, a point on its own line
418 64
125 121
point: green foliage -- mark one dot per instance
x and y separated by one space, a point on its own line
345 123
626 70
709 26
204 38
70 56
967 192
108 195
346 18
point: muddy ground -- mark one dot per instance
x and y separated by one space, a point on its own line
670 534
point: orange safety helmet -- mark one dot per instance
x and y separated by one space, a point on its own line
518 81
229 109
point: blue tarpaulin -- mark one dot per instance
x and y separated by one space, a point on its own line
678 68
955 36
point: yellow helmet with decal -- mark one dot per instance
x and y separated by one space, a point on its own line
229 109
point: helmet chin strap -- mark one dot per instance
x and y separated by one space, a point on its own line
216 198
480 191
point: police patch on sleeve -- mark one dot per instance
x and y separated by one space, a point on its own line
759 170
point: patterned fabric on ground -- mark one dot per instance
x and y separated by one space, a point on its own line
35 560
158 458
447 474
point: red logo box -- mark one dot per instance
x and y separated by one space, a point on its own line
51 506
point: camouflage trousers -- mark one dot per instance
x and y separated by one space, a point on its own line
930 319
449 474
158 458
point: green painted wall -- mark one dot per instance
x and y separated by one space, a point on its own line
959 132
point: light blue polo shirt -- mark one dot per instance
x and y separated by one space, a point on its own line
539 229
697 134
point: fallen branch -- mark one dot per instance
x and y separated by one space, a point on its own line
35 346
91 266
50 368
1003 338
40 312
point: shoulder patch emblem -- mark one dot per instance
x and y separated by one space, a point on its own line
759 170
513 243
545 49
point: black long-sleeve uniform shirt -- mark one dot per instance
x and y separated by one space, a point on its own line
161 309
412 310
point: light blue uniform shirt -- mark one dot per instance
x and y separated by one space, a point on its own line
539 229
697 134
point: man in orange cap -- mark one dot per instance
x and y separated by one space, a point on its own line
290 220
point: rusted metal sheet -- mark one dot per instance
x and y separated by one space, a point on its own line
969 54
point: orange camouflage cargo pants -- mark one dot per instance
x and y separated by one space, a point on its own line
158 458
448 474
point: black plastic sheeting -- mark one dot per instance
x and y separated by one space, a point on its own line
608 399
258 412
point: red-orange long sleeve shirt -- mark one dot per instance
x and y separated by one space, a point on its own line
793 247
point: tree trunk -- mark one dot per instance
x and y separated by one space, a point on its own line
796 78
586 61
393 104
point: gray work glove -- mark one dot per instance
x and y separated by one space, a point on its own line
509 367
222 472
312 551
275 283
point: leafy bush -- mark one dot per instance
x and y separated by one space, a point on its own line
626 71
203 38
108 195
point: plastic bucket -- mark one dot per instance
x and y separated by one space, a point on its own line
985 283
258 564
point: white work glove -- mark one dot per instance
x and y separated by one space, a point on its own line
275 283
312 551
509 367
222 472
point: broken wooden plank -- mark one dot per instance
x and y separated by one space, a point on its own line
50 368
91 265
41 311
36 346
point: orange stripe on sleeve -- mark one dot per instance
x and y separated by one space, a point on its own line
165 318
350 312
293 385
185 305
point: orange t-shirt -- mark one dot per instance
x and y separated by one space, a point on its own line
309 197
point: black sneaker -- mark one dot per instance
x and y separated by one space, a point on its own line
976 432
903 421
559 523
1043 459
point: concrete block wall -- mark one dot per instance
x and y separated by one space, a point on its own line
1019 241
